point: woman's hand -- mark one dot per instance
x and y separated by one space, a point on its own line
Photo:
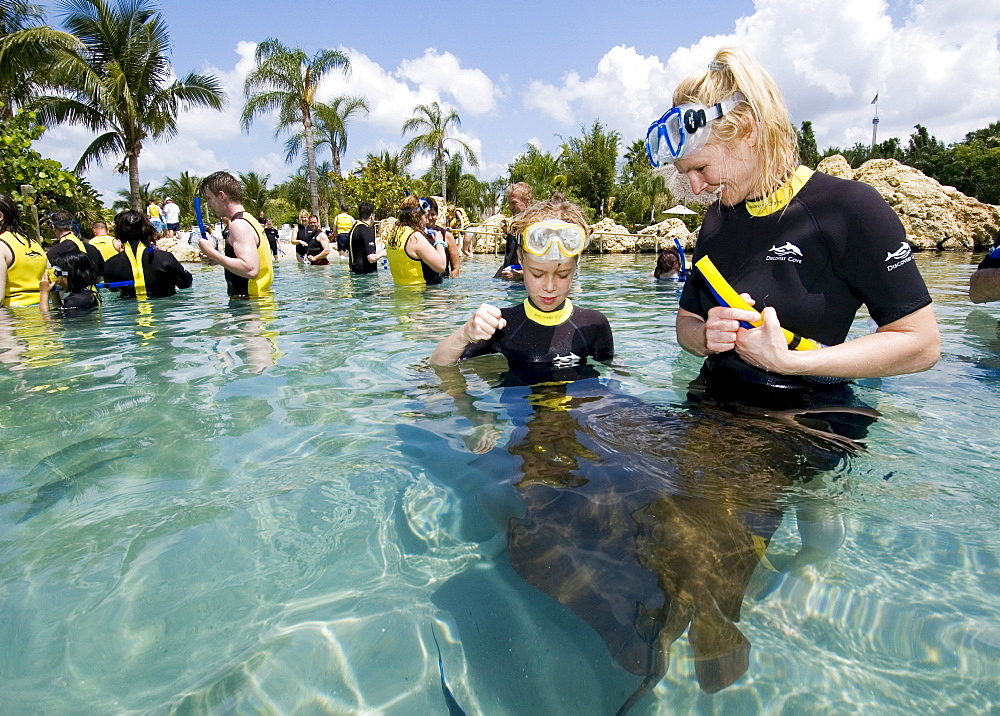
486 321
723 325
765 346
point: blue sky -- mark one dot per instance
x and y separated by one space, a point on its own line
521 72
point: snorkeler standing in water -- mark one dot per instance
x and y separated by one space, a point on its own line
546 330
805 249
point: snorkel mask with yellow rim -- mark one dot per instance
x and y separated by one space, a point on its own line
553 240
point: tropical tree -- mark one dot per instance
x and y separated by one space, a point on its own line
537 169
119 83
330 129
590 165
28 49
375 183
124 200
255 191
639 190
431 124
285 79
808 151
392 163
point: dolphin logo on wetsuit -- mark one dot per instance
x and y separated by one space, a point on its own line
788 249
902 252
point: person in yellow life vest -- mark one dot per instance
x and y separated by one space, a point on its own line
155 214
68 242
342 226
107 244
413 260
247 257
150 271
22 260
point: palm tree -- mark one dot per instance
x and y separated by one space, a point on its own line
392 163
286 80
255 191
118 83
330 128
124 200
434 124
28 49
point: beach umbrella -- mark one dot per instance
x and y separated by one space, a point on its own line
679 209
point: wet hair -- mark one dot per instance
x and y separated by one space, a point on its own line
555 208
668 261
62 220
523 189
102 224
11 219
734 70
131 225
80 270
432 203
365 209
223 182
410 212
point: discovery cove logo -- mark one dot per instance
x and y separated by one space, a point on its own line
901 256
789 252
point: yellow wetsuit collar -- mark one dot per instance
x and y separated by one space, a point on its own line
783 195
548 318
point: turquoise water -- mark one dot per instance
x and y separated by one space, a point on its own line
208 508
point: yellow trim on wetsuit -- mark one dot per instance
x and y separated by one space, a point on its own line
25 270
105 243
138 277
728 296
783 195
548 318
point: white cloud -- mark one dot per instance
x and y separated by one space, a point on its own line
939 68
472 90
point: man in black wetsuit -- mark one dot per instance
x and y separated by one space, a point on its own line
363 254
68 242
518 198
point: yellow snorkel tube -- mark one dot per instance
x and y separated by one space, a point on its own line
727 296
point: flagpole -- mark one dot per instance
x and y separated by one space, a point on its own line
874 122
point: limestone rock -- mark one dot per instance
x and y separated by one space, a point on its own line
608 237
489 234
663 234
180 248
836 166
934 216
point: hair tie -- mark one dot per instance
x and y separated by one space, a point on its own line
716 66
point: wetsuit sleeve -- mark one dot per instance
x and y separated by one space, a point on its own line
875 259
179 275
603 346
369 236
114 269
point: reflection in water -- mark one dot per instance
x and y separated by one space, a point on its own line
649 523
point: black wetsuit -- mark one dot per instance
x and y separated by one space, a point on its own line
85 298
835 246
272 238
314 247
531 347
68 246
302 234
510 253
162 272
361 244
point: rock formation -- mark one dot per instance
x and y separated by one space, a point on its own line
935 216
180 248
663 234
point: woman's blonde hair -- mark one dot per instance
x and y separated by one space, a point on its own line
410 212
734 70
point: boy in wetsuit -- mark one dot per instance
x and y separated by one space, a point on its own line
546 330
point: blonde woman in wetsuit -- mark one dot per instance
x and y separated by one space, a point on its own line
805 249
22 260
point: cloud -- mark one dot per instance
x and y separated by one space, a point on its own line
937 68
471 89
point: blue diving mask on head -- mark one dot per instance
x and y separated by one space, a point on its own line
684 129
